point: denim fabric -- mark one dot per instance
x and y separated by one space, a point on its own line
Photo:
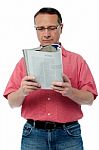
68 138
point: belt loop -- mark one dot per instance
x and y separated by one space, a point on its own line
34 124
64 126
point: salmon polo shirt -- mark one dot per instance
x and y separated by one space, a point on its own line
48 105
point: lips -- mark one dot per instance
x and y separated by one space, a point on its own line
48 41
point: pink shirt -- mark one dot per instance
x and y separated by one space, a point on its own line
50 105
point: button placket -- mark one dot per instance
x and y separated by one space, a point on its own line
49 114
49 98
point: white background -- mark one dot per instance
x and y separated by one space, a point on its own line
80 34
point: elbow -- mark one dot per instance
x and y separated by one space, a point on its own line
90 102
91 99
87 102
11 104
10 101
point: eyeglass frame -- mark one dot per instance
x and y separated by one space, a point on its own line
49 28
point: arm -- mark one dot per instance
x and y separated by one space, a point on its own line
28 85
78 96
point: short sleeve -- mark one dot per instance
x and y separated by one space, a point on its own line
16 77
86 80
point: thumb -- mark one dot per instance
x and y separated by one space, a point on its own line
65 78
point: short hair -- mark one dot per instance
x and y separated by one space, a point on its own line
49 10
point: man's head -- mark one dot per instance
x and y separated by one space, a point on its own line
48 24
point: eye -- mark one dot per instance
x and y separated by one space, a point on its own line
40 28
49 28
52 27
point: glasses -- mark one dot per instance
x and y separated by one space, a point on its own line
49 28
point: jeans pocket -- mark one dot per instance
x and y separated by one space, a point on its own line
27 129
73 130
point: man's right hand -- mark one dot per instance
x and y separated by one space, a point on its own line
29 84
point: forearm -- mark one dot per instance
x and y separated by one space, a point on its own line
28 85
15 99
81 97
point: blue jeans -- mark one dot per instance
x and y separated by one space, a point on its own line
67 138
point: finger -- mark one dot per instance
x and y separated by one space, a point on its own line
65 78
59 88
29 78
61 84
28 89
32 84
58 84
32 88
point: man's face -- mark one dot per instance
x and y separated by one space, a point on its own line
48 29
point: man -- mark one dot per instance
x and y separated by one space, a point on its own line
52 115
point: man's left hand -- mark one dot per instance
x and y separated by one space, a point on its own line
64 87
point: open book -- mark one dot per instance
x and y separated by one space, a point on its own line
45 63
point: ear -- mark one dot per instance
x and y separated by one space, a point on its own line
61 27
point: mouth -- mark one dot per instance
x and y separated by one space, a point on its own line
47 41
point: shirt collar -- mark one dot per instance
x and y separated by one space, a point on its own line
63 50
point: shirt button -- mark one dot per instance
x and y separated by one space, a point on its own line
49 98
49 114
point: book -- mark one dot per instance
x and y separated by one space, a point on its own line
45 63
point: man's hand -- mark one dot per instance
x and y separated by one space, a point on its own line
79 96
64 87
29 84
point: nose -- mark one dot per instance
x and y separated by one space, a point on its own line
47 33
